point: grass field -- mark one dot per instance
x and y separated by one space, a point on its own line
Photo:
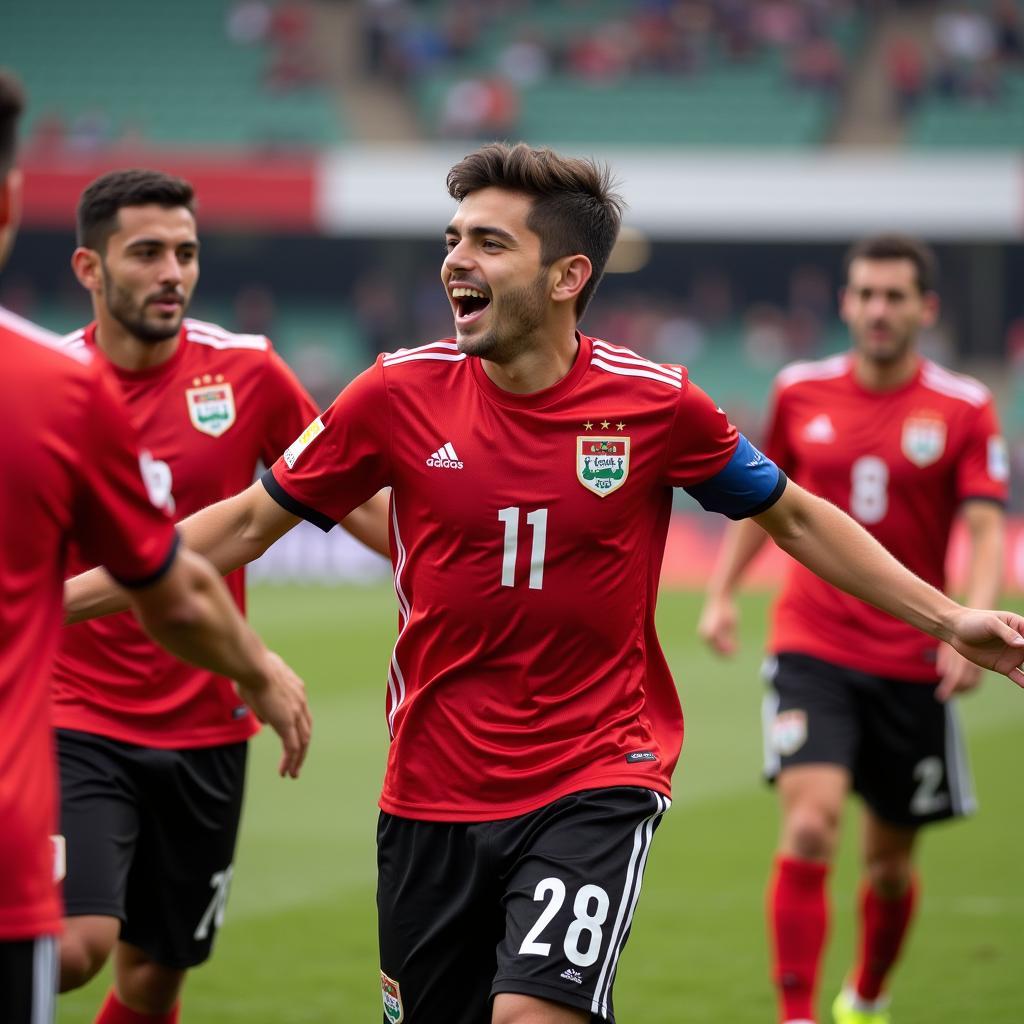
299 943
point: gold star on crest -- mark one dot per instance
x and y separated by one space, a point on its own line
588 425
620 426
605 424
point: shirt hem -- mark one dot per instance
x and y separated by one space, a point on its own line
884 668
502 811
158 739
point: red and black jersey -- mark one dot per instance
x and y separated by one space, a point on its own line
900 462
207 417
527 534
69 470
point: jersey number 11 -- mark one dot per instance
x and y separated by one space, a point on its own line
537 519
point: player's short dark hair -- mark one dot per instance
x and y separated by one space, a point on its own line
898 247
574 208
12 103
109 194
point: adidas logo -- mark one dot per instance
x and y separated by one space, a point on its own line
820 429
445 458
572 975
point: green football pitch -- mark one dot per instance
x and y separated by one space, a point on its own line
299 941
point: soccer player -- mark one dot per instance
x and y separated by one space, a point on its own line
534 724
857 699
152 751
69 470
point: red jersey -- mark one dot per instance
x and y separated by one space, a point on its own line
900 462
70 469
527 534
206 418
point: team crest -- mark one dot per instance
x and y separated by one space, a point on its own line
789 732
924 440
602 463
393 1009
211 408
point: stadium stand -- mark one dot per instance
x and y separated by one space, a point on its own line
204 75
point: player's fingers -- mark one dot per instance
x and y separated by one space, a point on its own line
1017 676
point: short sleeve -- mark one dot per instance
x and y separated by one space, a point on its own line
983 469
716 464
341 459
287 408
115 523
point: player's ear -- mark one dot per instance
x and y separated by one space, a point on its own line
10 199
570 273
86 265
931 309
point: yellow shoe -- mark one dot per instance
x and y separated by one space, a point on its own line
848 1009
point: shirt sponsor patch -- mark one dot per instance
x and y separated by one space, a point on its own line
998 459
303 441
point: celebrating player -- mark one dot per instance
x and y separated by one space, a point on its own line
152 751
857 698
534 724
69 470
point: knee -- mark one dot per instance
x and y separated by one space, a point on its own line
889 876
84 949
811 831
148 987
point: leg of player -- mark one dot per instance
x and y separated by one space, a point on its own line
85 944
512 1008
887 899
812 797
143 987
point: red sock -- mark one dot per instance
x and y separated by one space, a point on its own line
114 1011
883 926
797 926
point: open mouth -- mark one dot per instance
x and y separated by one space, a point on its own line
469 304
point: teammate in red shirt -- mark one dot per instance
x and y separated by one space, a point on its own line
903 445
209 407
70 472
534 724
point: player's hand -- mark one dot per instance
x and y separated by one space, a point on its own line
992 640
717 625
956 674
279 699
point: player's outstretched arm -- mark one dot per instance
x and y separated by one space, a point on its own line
844 554
190 612
720 616
230 533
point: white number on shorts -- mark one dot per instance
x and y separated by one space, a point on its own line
927 799
591 911
869 489
538 519
214 914
586 922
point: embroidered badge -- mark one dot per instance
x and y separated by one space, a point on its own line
789 732
924 440
211 408
393 1009
602 463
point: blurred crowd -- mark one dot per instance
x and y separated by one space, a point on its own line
973 47
408 41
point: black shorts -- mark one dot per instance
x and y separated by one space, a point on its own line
903 748
150 839
28 981
539 905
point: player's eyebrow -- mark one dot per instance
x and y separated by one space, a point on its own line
481 229
138 243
